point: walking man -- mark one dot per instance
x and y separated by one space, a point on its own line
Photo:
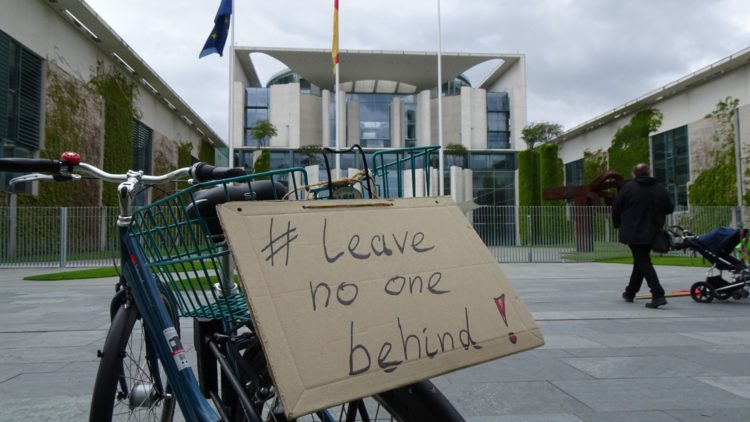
639 212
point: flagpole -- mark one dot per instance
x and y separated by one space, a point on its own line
336 112
230 135
335 57
441 182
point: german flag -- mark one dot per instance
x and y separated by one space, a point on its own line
335 46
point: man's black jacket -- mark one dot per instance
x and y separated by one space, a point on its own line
639 210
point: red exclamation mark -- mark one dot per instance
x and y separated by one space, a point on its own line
500 302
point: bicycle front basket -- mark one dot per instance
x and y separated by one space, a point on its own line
185 248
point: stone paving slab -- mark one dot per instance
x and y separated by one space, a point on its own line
609 395
604 359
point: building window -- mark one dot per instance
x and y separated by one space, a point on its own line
374 119
671 162
410 121
453 87
498 120
20 102
142 140
494 178
574 173
21 94
256 109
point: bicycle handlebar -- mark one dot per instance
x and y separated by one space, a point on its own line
203 172
29 165
69 162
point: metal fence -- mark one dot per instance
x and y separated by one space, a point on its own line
568 234
39 237
86 237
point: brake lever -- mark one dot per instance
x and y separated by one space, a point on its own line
31 177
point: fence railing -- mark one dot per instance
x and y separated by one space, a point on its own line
568 233
86 236
57 237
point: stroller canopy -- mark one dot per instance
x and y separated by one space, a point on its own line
721 240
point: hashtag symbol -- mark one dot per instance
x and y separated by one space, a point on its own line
285 239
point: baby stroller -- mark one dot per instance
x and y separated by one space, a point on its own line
717 247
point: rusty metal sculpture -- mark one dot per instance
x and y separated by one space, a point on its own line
601 191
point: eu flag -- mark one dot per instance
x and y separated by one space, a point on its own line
217 39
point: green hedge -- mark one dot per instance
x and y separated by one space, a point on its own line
529 182
551 173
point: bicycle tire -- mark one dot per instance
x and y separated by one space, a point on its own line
421 401
126 347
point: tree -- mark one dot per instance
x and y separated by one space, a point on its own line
310 152
536 134
262 163
262 131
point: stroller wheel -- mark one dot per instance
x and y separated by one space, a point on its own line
702 292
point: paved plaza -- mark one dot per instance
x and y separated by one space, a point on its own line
604 359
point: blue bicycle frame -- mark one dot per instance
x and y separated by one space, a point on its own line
157 321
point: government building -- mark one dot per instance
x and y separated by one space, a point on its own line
388 99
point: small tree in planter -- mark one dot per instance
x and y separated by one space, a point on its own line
262 131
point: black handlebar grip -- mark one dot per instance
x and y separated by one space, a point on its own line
29 165
204 172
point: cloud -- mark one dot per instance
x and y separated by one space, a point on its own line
583 57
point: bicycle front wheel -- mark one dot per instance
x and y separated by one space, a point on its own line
421 401
130 383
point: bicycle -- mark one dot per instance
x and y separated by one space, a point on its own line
175 264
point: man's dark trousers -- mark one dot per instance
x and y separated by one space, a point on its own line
642 267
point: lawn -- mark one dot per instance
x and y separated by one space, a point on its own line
679 261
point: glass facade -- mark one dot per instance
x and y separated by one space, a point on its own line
494 186
574 173
493 171
498 120
410 121
671 162
453 87
494 177
256 109
374 119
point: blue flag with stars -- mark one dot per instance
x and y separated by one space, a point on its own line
217 39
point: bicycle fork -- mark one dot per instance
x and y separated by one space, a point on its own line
162 332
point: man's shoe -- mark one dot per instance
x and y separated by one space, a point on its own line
627 297
656 302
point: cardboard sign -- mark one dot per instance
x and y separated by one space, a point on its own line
356 297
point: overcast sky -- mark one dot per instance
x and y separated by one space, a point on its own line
583 57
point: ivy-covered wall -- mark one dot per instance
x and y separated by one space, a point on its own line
594 164
630 144
206 153
716 182
72 122
119 94
164 160
95 119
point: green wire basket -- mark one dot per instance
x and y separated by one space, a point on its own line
185 247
